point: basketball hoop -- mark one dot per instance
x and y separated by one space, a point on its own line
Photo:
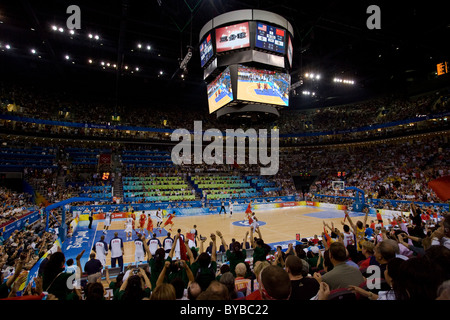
338 185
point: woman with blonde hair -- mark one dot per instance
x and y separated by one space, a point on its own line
164 291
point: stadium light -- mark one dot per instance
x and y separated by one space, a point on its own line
33 51
97 37
149 48
139 46
8 46
313 76
54 28
61 30
72 32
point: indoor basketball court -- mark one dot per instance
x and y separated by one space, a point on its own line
278 227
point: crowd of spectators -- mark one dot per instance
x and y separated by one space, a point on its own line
412 256
27 102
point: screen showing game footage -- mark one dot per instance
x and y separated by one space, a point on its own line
206 50
263 86
233 37
220 91
270 38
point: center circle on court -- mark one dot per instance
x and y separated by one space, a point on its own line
244 223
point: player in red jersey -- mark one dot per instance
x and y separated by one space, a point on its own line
142 219
133 216
169 221
149 225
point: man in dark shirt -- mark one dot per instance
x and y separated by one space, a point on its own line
303 287
93 269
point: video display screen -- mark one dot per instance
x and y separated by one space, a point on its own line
263 86
233 37
206 50
290 51
270 38
220 91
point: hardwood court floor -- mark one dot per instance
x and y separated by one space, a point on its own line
281 225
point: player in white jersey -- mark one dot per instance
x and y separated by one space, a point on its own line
108 218
139 252
129 228
167 244
101 250
254 223
153 244
159 217
117 251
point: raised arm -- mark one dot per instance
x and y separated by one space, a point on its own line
223 241
365 218
350 222
146 279
174 244
189 273
214 248
162 275
17 271
189 251
147 250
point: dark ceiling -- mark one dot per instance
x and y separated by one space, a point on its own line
331 38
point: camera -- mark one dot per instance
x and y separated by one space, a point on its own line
135 271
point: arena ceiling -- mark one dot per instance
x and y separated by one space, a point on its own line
331 38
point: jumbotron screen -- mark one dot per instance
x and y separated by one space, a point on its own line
270 38
263 86
220 91
206 50
233 37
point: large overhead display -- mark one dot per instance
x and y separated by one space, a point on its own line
270 38
290 51
263 86
206 50
220 91
233 37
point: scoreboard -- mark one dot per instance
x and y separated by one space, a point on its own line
270 38
247 56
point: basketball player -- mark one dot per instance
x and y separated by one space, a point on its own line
129 226
108 218
101 250
142 219
159 218
167 244
149 225
254 222
153 244
230 205
169 221
248 211
133 216
117 251
139 252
